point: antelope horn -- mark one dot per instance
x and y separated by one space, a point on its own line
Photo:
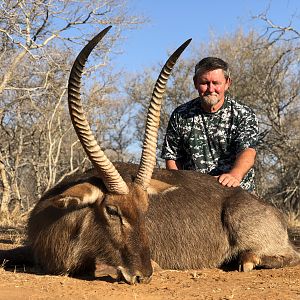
148 158
110 176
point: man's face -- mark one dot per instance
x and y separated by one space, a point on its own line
211 86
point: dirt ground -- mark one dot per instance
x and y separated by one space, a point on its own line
193 284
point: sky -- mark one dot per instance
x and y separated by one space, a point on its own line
171 22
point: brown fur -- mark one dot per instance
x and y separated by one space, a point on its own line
192 222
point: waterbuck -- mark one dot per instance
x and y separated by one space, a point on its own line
126 215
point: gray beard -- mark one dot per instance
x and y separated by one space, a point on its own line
210 100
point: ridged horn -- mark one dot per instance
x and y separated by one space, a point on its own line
110 176
148 157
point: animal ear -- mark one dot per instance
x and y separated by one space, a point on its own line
157 186
77 196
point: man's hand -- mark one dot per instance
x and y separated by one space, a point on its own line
173 164
229 180
243 163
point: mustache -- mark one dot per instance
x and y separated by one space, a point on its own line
210 94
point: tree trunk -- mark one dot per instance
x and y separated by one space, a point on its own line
6 190
8 74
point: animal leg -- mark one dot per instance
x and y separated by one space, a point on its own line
279 261
248 261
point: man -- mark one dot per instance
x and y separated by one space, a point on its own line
213 133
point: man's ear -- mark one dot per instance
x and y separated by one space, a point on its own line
228 83
195 82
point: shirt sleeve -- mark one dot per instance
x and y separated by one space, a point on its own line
172 142
247 131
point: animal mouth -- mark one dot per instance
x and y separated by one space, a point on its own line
137 277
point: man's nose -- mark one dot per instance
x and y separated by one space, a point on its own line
210 87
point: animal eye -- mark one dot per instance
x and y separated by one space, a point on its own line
112 211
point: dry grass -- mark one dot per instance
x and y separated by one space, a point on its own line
14 219
13 226
293 219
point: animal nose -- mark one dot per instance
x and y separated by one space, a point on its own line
141 279
134 278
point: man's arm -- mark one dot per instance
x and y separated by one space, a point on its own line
173 164
243 163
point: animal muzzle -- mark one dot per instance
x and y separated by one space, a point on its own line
136 277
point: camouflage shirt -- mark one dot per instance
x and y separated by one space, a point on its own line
209 142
